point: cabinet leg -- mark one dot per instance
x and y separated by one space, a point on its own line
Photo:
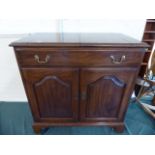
37 130
119 129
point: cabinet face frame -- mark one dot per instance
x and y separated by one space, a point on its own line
36 77
121 78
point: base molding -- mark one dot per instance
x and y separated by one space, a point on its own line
117 126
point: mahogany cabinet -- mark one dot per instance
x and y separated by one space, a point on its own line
78 79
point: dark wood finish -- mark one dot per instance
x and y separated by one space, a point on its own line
78 40
37 129
99 100
78 57
119 129
79 79
54 93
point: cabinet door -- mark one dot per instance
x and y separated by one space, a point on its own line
104 93
52 93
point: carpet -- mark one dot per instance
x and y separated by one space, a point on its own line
16 119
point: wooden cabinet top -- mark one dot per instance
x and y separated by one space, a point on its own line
79 39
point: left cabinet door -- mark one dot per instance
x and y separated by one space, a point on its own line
52 93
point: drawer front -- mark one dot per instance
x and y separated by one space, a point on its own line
79 58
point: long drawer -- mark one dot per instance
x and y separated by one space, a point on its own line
79 58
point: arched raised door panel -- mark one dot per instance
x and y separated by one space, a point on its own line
104 97
104 93
53 97
53 93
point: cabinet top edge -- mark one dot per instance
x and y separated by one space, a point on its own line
78 40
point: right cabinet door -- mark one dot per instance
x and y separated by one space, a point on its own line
104 93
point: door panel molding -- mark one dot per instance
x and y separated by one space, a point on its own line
106 91
53 93
51 89
107 104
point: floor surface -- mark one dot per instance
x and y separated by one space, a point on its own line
16 119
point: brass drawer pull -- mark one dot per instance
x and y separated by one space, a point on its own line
37 59
115 61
